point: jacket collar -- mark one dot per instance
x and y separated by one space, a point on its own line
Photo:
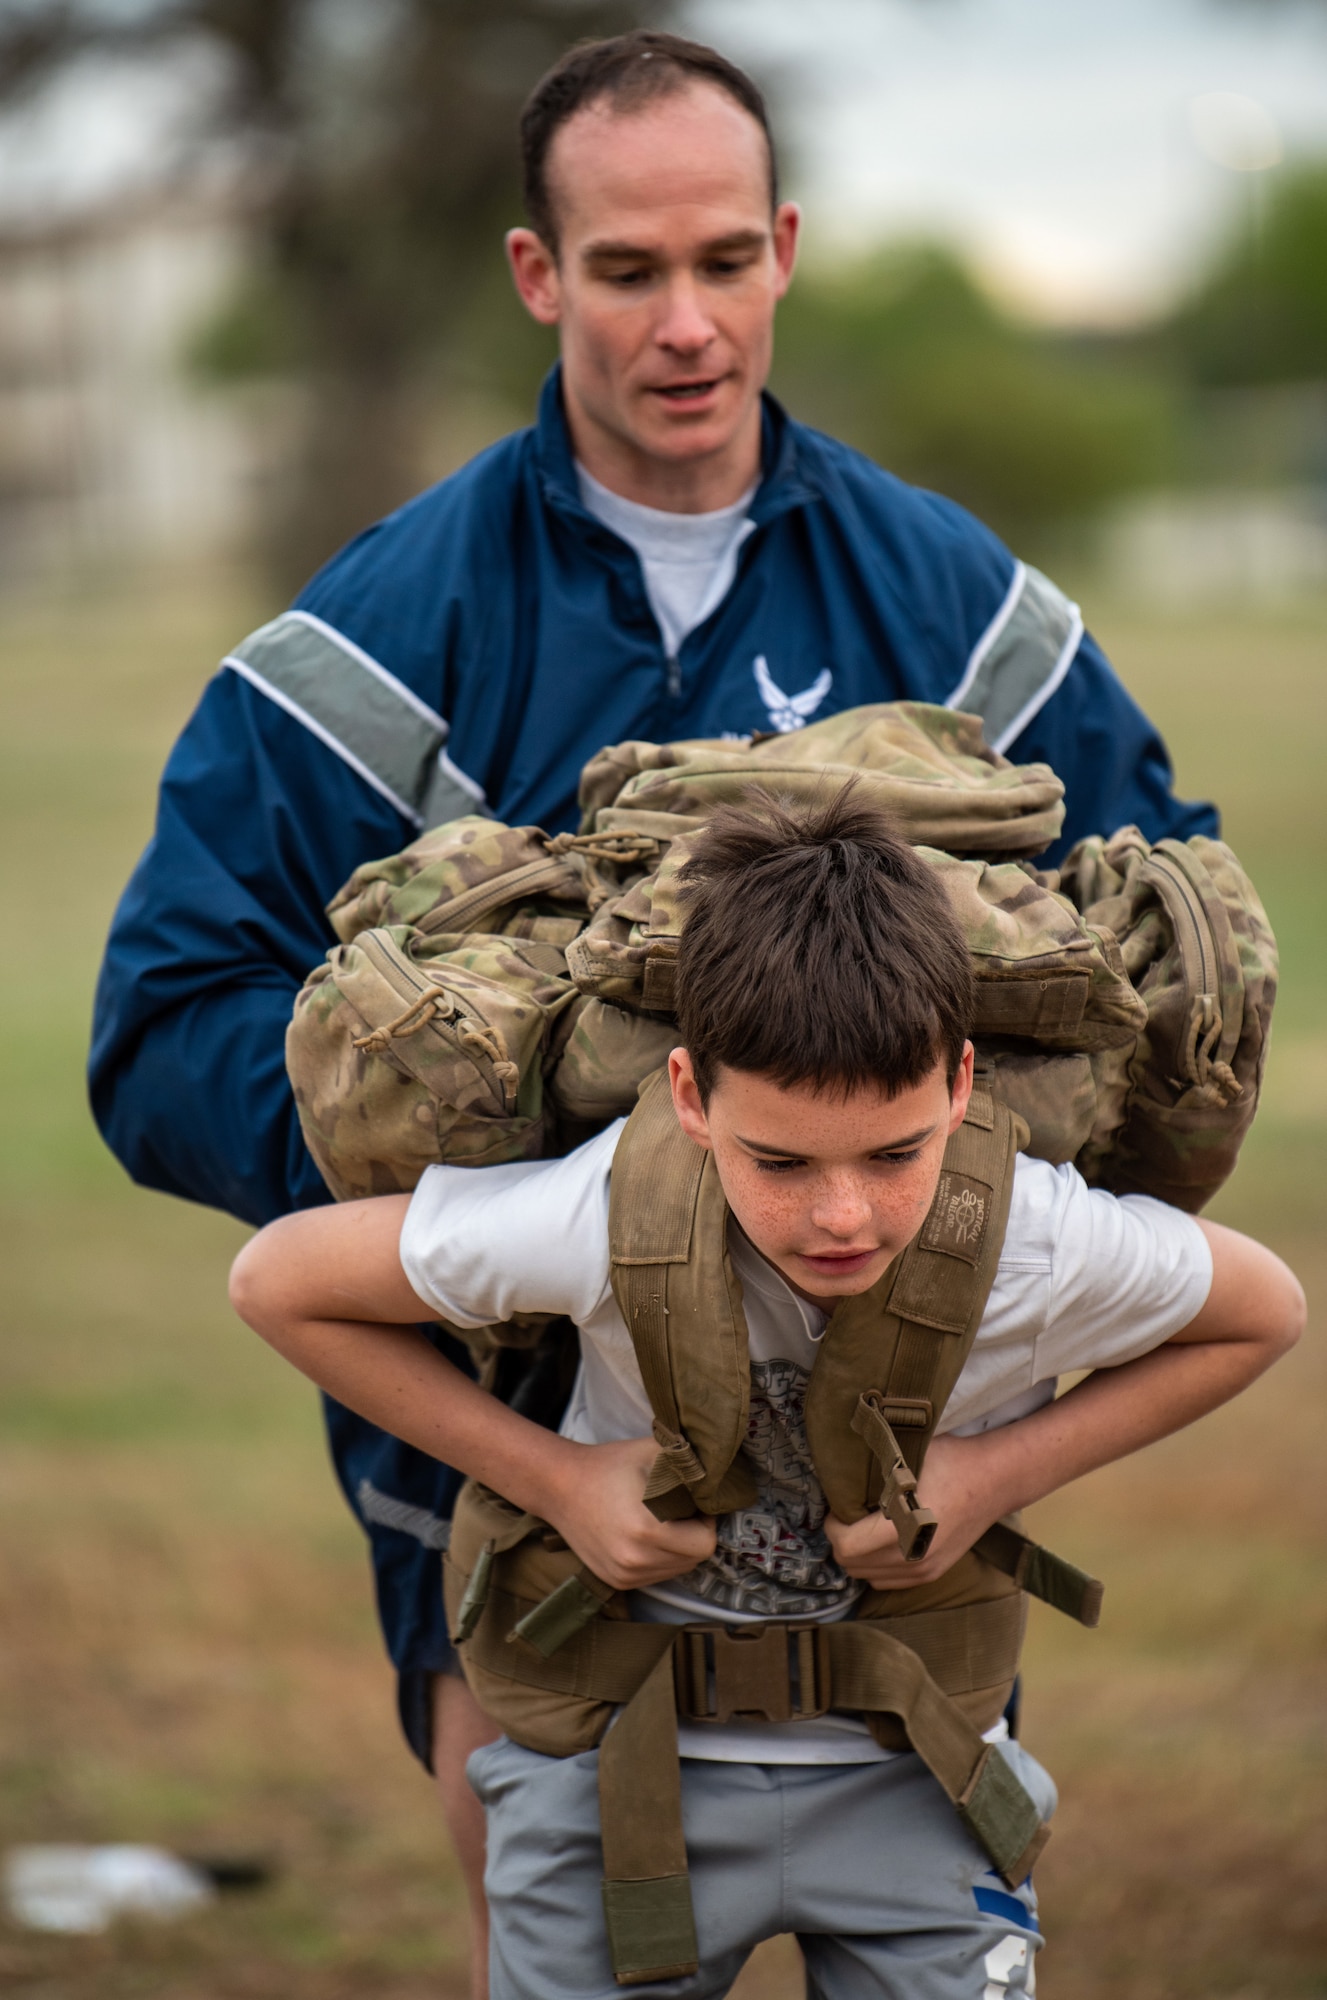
787 480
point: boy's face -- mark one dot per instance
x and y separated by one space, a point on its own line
828 1188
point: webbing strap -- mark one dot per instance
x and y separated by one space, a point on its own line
945 1275
605 1661
671 1274
859 1665
372 720
1042 1573
1021 657
647 1891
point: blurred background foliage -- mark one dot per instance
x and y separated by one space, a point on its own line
371 152
374 159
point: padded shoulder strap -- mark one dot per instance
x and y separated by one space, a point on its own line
904 1343
373 721
682 1302
1021 657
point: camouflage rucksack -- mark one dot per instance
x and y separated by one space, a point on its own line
499 994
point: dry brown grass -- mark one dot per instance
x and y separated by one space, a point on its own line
189 1653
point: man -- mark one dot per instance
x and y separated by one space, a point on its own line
664 554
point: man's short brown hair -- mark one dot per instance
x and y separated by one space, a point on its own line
819 949
630 71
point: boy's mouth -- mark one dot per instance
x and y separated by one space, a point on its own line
836 1263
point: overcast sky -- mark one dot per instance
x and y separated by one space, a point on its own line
1059 140
1072 147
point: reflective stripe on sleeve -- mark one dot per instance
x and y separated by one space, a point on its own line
370 719
1021 657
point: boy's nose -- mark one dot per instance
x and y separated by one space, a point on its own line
841 1211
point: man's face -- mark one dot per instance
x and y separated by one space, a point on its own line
828 1188
669 267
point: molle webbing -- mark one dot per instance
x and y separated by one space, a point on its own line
682 1304
708 1674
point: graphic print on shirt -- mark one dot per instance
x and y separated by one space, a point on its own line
789 711
773 1559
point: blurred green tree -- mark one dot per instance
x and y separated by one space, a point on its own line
380 167
905 356
1260 313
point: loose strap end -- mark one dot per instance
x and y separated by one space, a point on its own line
651 1929
1002 1816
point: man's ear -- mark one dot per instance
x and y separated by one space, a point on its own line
686 1099
961 1093
787 228
534 269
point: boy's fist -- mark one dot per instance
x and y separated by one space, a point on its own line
599 1510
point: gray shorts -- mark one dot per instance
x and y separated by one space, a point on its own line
867 1863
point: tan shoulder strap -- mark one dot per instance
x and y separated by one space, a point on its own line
682 1302
902 1345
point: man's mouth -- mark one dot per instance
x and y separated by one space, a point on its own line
687 392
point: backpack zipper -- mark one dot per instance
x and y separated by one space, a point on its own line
398 973
545 873
1191 904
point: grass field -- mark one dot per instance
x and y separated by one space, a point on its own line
189 1654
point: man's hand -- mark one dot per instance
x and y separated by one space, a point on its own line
599 1511
963 1501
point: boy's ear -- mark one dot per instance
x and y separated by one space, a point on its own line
961 1093
686 1098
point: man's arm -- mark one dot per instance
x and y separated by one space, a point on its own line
259 823
1254 1313
1113 763
326 1289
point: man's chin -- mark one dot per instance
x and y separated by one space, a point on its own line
678 431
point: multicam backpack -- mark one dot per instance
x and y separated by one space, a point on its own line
500 994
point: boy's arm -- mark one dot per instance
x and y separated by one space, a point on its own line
1254 1313
327 1290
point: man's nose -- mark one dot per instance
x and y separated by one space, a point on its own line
685 326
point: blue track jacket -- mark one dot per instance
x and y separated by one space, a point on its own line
497 606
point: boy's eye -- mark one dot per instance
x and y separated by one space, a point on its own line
778 1166
901 1159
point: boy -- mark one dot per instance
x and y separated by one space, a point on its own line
823 997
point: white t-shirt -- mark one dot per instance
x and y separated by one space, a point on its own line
1084 1281
688 560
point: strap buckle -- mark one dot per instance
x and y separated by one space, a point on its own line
768 1673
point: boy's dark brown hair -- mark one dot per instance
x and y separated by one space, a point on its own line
818 949
629 70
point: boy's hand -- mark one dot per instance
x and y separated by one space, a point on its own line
962 1501
600 1512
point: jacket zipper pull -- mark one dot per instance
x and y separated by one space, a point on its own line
674 678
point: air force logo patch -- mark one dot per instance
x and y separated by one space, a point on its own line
789 711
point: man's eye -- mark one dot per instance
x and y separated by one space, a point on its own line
625 280
729 267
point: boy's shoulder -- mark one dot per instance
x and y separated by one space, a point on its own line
482 1244
1088 1278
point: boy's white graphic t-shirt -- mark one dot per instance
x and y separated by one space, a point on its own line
1085 1280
